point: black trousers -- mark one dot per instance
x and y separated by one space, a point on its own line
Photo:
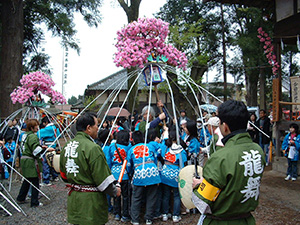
24 190
137 199
125 190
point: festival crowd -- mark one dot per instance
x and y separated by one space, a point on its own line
131 168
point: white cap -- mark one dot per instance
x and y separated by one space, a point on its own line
183 122
214 121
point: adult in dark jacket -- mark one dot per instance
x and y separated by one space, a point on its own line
264 141
252 129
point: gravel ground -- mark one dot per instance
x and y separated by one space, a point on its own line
279 204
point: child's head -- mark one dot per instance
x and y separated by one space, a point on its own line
253 117
105 124
8 139
152 134
9 123
294 128
191 128
137 137
123 137
173 139
14 122
103 134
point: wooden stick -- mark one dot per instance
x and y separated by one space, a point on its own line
157 99
122 171
2 161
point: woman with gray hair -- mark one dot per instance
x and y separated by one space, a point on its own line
152 121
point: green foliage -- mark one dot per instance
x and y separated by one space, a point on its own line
39 61
217 89
72 100
195 28
88 100
58 16
289 64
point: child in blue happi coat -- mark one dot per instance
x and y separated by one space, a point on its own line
192 140
117 154
291 146
47 136
174 157
142 162
10 145
154 142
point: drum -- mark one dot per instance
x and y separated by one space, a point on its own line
53 160
56 159
185 181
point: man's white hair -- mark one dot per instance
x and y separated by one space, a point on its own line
151 111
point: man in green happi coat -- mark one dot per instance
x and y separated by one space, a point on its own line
83 166
229 188
31 163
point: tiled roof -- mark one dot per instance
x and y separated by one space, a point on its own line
116 78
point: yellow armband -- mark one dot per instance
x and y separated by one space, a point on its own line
208 191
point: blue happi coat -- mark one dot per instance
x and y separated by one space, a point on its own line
204 139
115 162
194 146
106 153
145 170
156 146
11 147
48 134
171 168
285 145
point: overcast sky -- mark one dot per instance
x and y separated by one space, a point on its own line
95 61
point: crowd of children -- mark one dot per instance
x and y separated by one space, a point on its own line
154 154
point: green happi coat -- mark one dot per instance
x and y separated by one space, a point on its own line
83 162
236 169
28 159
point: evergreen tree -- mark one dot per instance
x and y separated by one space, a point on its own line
22 36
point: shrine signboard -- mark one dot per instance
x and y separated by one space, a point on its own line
276 97
295 88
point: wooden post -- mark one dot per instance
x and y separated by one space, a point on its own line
158 99
275 108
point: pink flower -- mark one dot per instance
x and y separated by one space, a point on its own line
138 39
35 81
269 48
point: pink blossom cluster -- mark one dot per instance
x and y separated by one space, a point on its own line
32 83
57 97
141 38
269 50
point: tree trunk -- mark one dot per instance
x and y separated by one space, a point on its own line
178 96
251 88
132 12
197 72
262 89
224 55
11 53
133 96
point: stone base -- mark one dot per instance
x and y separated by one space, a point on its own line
280 165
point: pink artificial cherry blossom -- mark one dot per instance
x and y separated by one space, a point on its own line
36 81
139 39
269 50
